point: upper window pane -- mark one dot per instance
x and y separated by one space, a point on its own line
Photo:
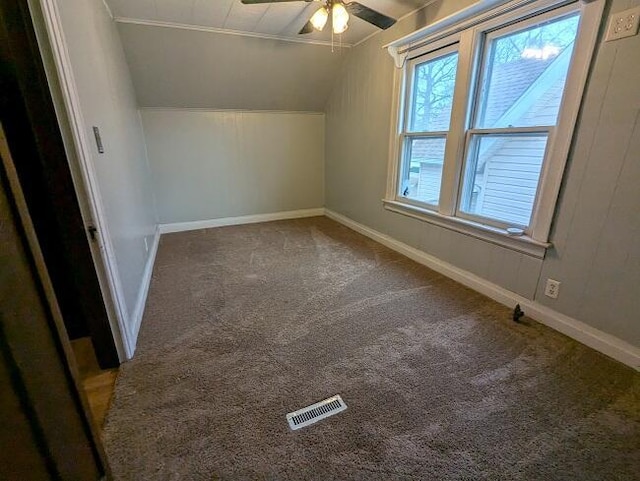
432 96
525 73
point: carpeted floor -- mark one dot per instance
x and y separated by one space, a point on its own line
246 323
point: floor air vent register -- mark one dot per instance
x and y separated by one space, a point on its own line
314 413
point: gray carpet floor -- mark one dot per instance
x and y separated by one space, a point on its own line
244 324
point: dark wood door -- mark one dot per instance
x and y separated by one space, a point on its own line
45 431
33 135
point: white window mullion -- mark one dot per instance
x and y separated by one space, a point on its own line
544 129
454 150
435 133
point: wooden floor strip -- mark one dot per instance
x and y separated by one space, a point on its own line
98 384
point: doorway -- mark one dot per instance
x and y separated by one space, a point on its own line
35 142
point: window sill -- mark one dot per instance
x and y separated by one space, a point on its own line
493 235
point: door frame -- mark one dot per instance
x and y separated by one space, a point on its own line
34 134
85 181
43 404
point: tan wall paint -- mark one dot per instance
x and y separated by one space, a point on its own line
184 68
596 230
212 164
597 224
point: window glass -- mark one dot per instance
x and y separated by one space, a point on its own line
425 157
502 175
524 75
432 96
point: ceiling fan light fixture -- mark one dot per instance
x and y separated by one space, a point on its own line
319 19
339 17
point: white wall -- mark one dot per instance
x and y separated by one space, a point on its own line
107 100
596 232
173 67
212 164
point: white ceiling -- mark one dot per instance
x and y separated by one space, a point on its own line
282 19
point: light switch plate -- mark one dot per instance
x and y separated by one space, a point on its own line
623 24
96 134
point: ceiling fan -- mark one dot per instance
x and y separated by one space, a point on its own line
339 13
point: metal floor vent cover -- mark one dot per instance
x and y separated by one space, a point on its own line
314 413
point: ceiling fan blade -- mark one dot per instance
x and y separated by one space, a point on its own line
369 15
308 28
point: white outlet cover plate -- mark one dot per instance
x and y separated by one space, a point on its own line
552 288
623 24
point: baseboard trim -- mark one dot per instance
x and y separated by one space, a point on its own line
600 341
200 110
143 291
245 219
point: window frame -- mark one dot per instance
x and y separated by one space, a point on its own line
488 36
406 135
471 34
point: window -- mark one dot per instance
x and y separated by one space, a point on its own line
523 77
431 86
485 118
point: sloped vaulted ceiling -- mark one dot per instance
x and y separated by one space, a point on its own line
176 63
184 68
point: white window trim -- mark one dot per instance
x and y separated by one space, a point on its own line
405 116
465 27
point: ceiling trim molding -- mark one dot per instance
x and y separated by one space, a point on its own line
106 5
406 15
224 31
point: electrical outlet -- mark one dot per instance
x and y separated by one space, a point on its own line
552 289
623 24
